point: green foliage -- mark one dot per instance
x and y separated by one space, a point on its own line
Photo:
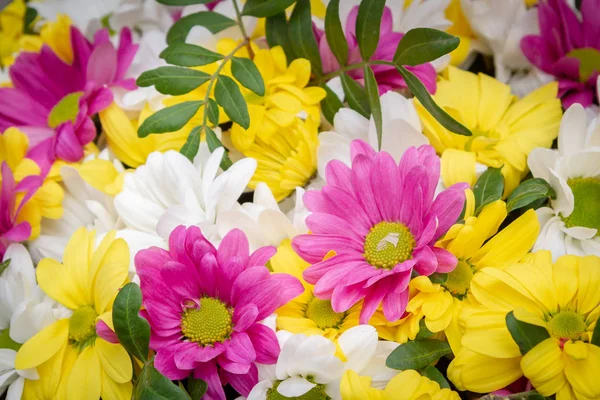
151 385
422 45
132 330
417 354
277 32
303 41
173 80
265 8
335 33
3 265
488 188
355 96
245 71
196 388
529 192
189 55
331 104
589 62
368 24
212 111
424 331
192 144
214 143
374 104
525 335
596 335
432 373
169 119
438 277
212 21
229 96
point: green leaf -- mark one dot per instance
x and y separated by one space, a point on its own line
368 22
277 33
212 111
153 386
335 33
214 143
421 93
6 341
439 278
488 188
265 8
424 331
245 71
303 40
589 62
183 2
596 335
189 55
169 119
212 21
65 110
373 95
132 330
525 335
228 96
30 16
355 96
331 104
528 192
192 144
432 373
196 388
417 354
422 45
173 80
3 265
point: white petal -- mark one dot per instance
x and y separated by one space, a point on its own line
540 160
264 197
580 232
15 390
286 356
571 137
583 164
358 344
565 201
260 390
552 238
350 124
591 247
294 387
275 226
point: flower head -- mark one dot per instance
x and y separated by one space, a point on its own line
562 298
504 129
561 32
382 221
205 305
73 362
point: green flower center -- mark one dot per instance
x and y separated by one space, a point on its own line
586 212
208 324
316 393
387 244
567 325
82 326
459 280
321 313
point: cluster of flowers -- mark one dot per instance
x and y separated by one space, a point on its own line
311 199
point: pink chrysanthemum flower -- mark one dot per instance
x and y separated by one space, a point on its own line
205 305
382 221
562 31
13 196
41 81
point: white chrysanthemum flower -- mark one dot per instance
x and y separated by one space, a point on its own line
24 311
401 129
169 190
571 224
86 15
309 366
141 15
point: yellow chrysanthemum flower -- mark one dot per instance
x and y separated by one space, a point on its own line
286 95
407 385
306 313
460 27
122 138
288 160
563 298
504 129
12 39
71 360
47 200
477 244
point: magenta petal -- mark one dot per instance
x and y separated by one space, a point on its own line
361 180
272 294
243 383
261 256
102 64
322 223
208 280
313 273
239 348
246 281
338 174
265 343
427 263
244 317
344 297
386 186
537 52
105 332
125 53
313 248
446 260
164 362
339 276
394 305
233 244
374 297
18 233
99 100
190 353
447 207
67 145
209 374
180 279
232 366
361 147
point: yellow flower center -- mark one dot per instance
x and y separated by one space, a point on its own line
459 280
207 324
586 213
82 326
567 325
316 393
320 312
387 244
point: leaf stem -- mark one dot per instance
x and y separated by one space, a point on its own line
242 27
351 67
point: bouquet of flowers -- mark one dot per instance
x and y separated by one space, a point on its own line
299 199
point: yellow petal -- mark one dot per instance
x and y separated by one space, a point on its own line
122 136
458 166
583 374
114 390
70 358
25 168
543 366
589 280
498 290
563 272
99 254
495 99
43 345
406 382
49 197
98 173
355 387
50 373
13 146
76 259
300 68
85 378
57 35
115 360
279 59
486 333
285 101
59 284
111 274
